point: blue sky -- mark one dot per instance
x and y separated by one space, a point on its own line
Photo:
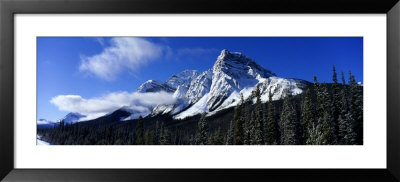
89 69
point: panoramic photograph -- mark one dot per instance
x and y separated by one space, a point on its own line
199 91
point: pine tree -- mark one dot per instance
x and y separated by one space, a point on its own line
351 137
218 139
335 100
156 134
257 134
315 135
320 104
152 138
192 140
326 122
347 134
229 135
307 115
247 130
201 138
356 108
288 124
264 123
342 129
238 127
147 137
342 121
210 140
241 99
61 125
271 130
161 134
166 138
110 135
346 131
252 127
324 114
344 100
258 138
345 118
139 132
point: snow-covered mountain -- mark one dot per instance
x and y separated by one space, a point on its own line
219 87
234 74
181 79
44 121
72 117
154 86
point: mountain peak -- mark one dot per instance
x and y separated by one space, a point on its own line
127 109
154 86
234 62
44 121
183 78
187 73
74 114
226 54
72 117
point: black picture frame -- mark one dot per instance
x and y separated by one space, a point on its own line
8 8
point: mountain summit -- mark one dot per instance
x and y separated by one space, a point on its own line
239 66
72 117
233 72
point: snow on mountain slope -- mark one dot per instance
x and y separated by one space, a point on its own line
178 84
188 93
182 79
154 86
197 108
232 72
44 122
199 86
72 117
280 87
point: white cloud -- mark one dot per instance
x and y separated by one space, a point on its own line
123 53
96 107
43 121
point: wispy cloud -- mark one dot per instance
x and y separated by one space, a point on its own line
96 107
123 53
100 40
195 51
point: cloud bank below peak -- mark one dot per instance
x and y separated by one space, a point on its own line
96 107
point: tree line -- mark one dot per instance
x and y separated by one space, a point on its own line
325 114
